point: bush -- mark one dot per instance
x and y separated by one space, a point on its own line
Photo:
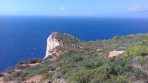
137 50
31 61
57 75
117 79
144 42
115 45
68 39
1 75
83 76
102 70
15 74
10 70
143 61
20 66
46 76
77 58
116 37
67 65
130 36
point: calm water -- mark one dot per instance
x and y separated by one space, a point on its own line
23 38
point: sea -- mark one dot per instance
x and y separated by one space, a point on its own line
24 37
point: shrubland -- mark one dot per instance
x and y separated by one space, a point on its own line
82 63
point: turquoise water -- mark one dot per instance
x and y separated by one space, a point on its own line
22 38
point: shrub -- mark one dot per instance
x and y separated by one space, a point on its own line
46 76
96 64
102 70
67 65
137 50
23 62
77 58
115 45
116 37
57 75
1 75
69 35
83 76
145 42
143 61
122 36
15 74
20 66
68 39
31 61
117 79
143 35
130 36
10 70
120 66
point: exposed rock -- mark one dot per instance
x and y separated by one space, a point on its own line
98 49
139 81
6 78
1 80
52 43
34 79
115 53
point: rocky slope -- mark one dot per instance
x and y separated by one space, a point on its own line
71 60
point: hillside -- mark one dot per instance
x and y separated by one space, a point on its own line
118 60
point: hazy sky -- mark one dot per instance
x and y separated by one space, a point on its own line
75 7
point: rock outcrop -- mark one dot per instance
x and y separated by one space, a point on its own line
52 43
115 53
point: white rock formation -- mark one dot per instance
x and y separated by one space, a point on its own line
115 53
52 43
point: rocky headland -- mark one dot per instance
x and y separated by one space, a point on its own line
71 60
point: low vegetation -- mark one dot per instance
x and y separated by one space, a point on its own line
137 50
81 62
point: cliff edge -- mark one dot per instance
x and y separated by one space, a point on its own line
52 43
58 44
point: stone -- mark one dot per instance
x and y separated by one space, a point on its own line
52 43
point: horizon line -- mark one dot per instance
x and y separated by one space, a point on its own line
78 16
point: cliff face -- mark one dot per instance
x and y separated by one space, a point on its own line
52 43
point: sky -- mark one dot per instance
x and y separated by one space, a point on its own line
92 8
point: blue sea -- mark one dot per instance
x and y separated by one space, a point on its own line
24 37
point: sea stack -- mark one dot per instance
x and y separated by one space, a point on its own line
52 43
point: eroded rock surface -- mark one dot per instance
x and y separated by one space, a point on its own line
52 43
115 53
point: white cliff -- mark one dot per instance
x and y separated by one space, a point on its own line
52 43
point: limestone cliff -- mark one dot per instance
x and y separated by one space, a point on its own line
52 43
